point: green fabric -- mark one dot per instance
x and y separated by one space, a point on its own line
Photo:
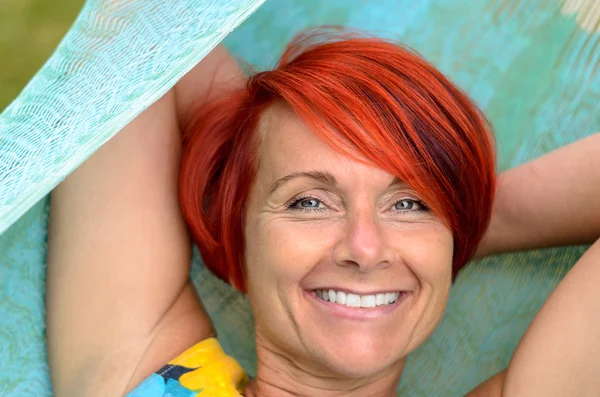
531 65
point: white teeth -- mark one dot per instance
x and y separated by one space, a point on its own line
332 295
392 297
367 301
354 300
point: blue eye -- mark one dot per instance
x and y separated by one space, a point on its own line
409 205
309 203
306 203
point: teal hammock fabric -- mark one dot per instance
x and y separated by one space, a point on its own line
531 65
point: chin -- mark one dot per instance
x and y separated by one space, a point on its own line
362 359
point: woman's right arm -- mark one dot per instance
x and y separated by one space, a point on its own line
120 303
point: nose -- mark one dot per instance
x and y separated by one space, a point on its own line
363 244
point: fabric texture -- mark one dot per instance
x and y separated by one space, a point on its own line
117 59
531 65
202 370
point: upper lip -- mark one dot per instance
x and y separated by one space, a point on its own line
359 292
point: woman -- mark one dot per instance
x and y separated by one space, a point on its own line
342 191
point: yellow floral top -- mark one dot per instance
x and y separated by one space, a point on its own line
203 370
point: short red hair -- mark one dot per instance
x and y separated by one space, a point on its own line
364 96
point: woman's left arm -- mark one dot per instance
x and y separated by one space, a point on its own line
560 352
553 200
550 201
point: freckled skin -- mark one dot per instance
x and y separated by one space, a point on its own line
356 235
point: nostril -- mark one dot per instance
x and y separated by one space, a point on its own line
363 245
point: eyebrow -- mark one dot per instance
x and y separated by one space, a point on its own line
319 176
397 181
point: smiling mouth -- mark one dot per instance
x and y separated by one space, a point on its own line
358 301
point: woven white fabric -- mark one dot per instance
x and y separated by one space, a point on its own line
119 57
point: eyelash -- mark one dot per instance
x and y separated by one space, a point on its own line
420 203
296 200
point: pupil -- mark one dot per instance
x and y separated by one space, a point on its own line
405 204
309 203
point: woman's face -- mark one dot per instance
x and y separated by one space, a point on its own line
346 271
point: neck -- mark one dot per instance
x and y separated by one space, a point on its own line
279 375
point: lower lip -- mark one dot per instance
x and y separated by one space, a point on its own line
357 313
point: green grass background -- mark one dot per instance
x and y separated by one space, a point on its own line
30 30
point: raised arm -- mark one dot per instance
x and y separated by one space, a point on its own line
119 301
551 201
560 352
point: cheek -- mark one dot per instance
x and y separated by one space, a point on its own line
281 252
428 253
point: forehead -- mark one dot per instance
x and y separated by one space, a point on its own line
286 142
289 146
